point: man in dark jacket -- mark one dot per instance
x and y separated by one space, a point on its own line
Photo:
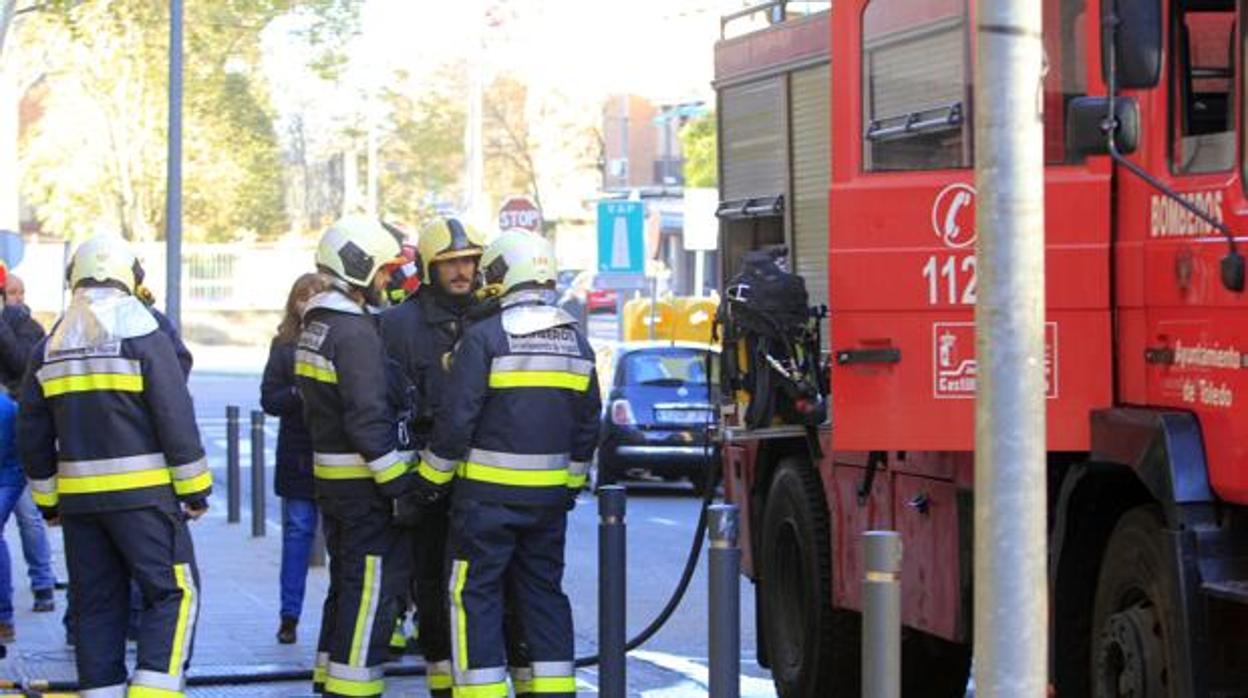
19 333
108 438
420 334
517 440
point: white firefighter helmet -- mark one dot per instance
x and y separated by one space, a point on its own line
518 258
103 258
355 247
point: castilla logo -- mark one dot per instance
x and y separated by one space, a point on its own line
953 215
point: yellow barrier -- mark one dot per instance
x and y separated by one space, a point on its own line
674 319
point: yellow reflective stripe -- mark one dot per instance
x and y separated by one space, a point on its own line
319 674
342 472
517 478
368 608
522 686
434 475
439 682
394 471
347 687
45 499
180 573
199 483
120 382
552 684
315 372
539 379
113 483
461 617
481 690
576 482
151 692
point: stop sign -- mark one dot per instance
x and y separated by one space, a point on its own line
520 212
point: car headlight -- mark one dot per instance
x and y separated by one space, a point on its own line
622 413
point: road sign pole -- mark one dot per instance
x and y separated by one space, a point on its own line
1011 608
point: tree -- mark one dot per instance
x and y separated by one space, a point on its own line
422 155
697 142
511 164
96 157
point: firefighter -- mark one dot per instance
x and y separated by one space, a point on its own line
517 440
109 442
419 333
341 372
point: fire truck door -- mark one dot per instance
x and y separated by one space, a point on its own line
903 271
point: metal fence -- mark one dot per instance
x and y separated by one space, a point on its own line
231 276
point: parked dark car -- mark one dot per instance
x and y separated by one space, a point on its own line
655 417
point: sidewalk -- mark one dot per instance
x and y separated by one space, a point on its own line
237 624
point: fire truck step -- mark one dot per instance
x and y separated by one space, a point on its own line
1234 590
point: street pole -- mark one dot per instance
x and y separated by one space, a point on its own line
724 594
612 605
1011 597
881 614
173 183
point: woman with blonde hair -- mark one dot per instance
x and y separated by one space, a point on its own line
293 481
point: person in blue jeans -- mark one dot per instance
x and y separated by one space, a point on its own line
12 487
293 481
36 551
30 523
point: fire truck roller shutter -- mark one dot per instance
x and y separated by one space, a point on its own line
808 94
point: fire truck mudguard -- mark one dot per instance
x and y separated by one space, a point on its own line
1145 482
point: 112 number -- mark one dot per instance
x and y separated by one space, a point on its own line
951 281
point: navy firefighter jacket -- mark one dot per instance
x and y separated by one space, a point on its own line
519 420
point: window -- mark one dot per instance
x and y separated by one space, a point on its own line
666 367
1065 61
916 81
1201 79
916 97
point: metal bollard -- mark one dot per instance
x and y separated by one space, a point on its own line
257 474
881 615
233 471
724 569
611 587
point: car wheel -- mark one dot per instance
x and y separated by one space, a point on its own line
601 473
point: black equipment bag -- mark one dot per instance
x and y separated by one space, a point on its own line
771 344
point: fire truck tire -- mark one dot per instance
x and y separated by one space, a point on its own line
1135 634
813 649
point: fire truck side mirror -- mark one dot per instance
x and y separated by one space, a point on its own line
1136 28
1086 126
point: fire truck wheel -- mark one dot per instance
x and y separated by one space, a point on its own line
813 649
1134 623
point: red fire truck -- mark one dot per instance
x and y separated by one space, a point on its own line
846 135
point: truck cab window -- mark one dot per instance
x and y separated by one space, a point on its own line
916 96
1065 62
1202 77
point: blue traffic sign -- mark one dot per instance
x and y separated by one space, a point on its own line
12 248
621 239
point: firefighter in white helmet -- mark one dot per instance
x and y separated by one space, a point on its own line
109 442
516 438
352 402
